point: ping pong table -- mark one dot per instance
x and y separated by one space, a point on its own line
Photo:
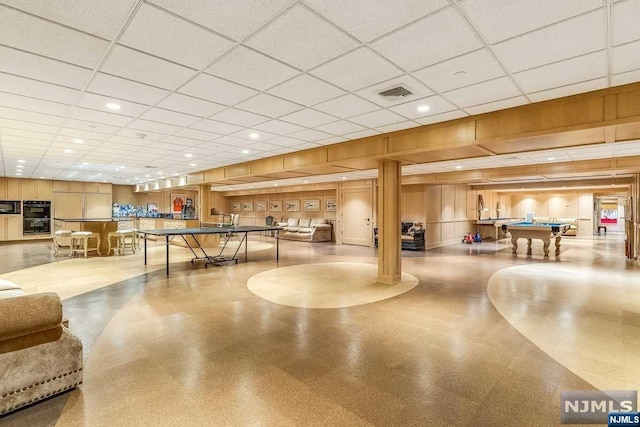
226 231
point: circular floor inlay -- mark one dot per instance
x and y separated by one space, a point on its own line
326 285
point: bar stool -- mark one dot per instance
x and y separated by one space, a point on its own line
61 237
80 242
122 236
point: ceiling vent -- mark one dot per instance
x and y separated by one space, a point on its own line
395 93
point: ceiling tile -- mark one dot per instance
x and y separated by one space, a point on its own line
568 90
269 105
262 146
198 134
146 125
250 68
25 103
414 86
308 118
377 118
563 73
173 38
46 119
482 93
310 135
464 70
101 17
369 20
625 58
567 39
258 136
306 90
398 126
239 117
362 134
99 102
438 118
347 106
100 117
340 127
170 117
35 89
498 20
235 19
285 141
143 68
33 127
149 136
330 141
216 127
44 69
190 105
126 89
625 16
36 35
625 78
365 69
499 105
302 39
278 127
436 105
216 90
87 129
5 132
445 32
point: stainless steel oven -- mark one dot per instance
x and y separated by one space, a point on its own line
10 206
36 217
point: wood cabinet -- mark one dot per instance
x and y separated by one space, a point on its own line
10 189
10 227
82 205
97 205
37 189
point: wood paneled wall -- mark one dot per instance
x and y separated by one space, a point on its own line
567 204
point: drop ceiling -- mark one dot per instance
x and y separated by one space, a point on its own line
202 84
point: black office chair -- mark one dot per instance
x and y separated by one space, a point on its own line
269 222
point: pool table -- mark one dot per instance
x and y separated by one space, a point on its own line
544 231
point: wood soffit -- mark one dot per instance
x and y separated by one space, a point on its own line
608 115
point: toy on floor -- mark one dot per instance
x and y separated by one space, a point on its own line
469 238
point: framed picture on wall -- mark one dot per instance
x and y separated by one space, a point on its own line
275 205
261 206
312 205
236 206
177 202
330 205
293 205
247 206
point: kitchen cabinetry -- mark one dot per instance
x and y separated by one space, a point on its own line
10 189
37 189
10 227
82 205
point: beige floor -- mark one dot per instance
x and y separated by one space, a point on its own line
486 335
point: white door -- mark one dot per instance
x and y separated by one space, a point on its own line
357 213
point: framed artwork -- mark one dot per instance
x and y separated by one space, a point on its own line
275 205
330 205
236 206
247 206
293 205
177 202
312 205
152 207
261 206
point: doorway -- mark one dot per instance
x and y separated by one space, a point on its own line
357 215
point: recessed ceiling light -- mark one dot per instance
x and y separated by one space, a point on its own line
80 166
551 158
78 140
344 177
245 151
254 135
18 173
159 173
458 167
147 176
306 182
20 161
423 108
188 155
192 165
68 151
136 178
275 185
113 106
19 166
99 174
42 177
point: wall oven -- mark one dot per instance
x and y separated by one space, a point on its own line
10 206
36 217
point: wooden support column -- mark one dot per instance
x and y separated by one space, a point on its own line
389 225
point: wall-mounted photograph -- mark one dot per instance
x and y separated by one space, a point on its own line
247 206
330 205
178 201
236 206
275 205
293 205
261 206
312 205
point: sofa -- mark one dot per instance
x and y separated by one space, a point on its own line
573 223
412 236
39 357
306 229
